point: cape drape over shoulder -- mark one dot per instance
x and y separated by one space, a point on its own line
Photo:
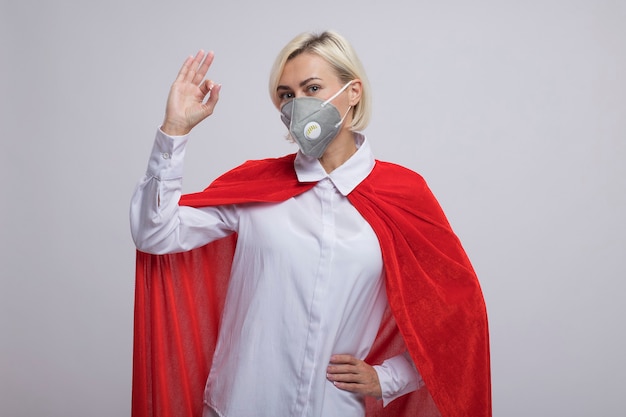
437 310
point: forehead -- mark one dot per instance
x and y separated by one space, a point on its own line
305 66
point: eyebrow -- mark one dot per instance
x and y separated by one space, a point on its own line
302 84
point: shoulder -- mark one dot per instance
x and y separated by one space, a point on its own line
258 164
387 172
259 169
265 180
397 169
395 187
399 185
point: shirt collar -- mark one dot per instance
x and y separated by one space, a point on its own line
347 176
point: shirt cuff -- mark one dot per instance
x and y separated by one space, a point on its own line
397 376
168 154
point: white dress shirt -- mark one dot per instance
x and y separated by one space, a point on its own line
306 283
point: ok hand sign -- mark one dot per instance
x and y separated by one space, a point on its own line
192 98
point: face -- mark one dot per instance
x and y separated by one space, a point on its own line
309 75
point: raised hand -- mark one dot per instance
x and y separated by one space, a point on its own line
351 374
192 98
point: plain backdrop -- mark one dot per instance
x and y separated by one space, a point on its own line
514 112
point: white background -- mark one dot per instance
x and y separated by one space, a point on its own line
515 112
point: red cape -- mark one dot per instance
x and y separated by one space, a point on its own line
434 297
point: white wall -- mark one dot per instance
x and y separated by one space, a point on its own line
515 112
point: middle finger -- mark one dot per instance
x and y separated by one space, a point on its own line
203 68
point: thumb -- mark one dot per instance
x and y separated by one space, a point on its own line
214 95
215 92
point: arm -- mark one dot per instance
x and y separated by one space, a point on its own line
398 376
158 224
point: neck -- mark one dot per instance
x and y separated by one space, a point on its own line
339 151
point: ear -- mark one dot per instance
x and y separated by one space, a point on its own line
354 92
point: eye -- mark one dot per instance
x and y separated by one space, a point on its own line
286 96
313 88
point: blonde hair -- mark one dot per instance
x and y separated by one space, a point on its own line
335 49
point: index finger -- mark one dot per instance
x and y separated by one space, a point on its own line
344 359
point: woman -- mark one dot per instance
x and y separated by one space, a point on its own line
320 239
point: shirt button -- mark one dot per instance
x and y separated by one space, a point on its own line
166 155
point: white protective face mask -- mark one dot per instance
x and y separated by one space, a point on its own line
312 122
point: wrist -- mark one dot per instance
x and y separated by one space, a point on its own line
173 129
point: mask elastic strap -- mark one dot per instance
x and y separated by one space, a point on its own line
337 93
344 117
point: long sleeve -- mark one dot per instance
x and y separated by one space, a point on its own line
398 376
158 224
